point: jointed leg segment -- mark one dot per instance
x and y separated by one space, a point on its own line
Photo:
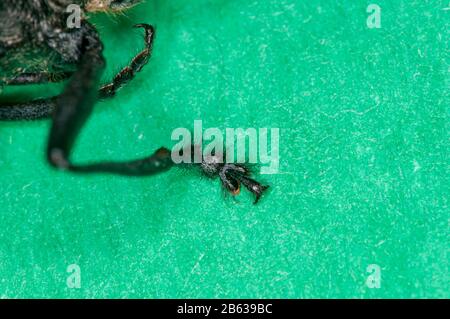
129 72
33 110
75 104
37 78
43 108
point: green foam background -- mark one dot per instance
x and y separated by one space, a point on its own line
364 159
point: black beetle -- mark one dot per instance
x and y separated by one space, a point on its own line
39 28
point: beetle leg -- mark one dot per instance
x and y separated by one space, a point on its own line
37 78
36 109
74 106
32 110
43 108
136 64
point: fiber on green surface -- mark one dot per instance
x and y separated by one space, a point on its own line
364 153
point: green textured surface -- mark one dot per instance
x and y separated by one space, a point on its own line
364 119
